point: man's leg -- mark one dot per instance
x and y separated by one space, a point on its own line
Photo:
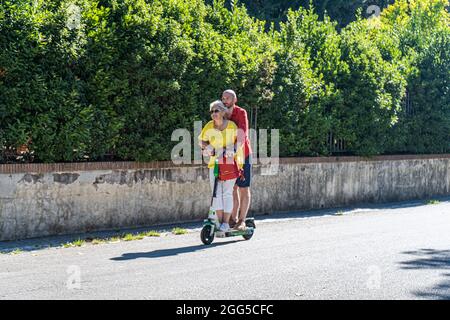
245 197
244 193
235 211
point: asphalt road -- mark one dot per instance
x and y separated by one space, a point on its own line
395 251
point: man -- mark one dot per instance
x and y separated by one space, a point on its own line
241 191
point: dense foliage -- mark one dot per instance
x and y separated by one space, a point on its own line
112 79
341 11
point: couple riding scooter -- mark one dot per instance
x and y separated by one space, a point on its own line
218 140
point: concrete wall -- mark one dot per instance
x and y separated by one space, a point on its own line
38 200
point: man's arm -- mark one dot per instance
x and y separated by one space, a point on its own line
242 131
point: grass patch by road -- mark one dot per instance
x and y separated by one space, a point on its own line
77 243
12 252
152 234
433 201
179 231
131 237
98 241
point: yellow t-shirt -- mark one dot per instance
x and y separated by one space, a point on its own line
221 139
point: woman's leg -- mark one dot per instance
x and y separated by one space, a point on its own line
217 201
219 214
235 212
227 198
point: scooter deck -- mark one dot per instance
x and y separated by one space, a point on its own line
234 233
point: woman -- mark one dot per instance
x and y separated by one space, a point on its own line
218 138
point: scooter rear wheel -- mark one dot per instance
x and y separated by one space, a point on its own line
206 236
249 224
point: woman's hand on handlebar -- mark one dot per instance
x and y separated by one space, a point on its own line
208 151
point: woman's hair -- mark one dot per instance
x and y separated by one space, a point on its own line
217 104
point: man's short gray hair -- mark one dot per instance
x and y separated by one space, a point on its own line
231 92
218 105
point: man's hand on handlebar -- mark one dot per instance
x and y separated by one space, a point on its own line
229 153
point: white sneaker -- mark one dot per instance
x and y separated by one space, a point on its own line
224 227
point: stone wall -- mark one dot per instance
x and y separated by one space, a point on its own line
48 199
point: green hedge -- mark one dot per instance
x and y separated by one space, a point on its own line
341 11
96 80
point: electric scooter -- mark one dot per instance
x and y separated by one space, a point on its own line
211 225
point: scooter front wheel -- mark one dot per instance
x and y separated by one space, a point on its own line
206 235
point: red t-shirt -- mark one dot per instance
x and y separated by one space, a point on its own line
239 116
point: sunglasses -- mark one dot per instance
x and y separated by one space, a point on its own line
214 111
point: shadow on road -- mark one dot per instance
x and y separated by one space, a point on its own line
431 259
168 252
